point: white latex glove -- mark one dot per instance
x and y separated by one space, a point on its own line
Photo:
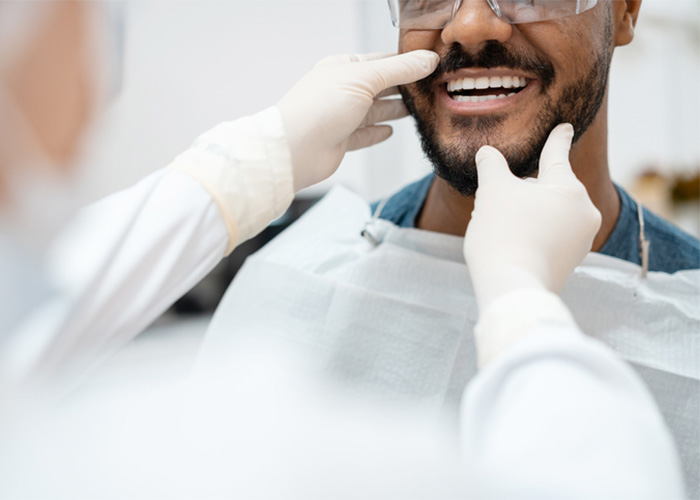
253 166
335 108
528 233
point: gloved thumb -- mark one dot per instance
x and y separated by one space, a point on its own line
554 160
491 166
401 69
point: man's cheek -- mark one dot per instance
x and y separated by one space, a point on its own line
417 94
407 94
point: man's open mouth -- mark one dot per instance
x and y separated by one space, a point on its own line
485 88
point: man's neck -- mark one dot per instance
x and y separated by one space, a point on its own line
447 211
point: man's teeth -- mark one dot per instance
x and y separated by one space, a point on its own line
485 82
480 98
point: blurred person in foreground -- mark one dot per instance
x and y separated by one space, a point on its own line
136 251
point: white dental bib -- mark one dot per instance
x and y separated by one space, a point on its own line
397 318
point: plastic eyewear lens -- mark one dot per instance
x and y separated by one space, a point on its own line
531 11
421 14
435 14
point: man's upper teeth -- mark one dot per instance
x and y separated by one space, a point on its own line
486 82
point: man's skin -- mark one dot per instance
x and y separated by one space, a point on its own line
572 45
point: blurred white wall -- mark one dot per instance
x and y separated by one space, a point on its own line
192 64
654 93
189 65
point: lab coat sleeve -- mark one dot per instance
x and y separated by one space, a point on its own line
553 414
246 166
117 267
127 258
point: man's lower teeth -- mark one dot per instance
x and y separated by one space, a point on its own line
480 98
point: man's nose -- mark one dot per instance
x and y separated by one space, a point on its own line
475 23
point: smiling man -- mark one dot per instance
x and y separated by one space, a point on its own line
510 71
394 312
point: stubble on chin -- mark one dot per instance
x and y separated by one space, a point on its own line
578 103
455 162
453 153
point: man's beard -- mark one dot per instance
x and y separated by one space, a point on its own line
579 104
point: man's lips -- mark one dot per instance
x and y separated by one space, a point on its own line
481 91
483 72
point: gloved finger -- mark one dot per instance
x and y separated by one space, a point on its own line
369 136
400 70
385 110
388 92
491 166
554 160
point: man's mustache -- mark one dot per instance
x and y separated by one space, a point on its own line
493 55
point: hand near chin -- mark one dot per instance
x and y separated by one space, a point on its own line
528 233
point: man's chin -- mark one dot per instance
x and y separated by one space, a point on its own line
455 163
453 159
484 128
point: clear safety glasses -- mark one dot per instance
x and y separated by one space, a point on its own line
436 14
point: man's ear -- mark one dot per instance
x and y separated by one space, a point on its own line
625 14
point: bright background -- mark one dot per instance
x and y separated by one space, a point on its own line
189 65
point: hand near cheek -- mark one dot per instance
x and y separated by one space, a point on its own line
528 232
339 107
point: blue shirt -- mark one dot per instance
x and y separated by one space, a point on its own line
671 249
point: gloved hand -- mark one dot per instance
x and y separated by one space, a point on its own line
528 233
335 108
253 166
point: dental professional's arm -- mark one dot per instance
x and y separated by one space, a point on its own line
551 414
253 167
129 257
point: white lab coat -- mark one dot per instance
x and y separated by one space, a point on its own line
554 416
559 415
121 264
